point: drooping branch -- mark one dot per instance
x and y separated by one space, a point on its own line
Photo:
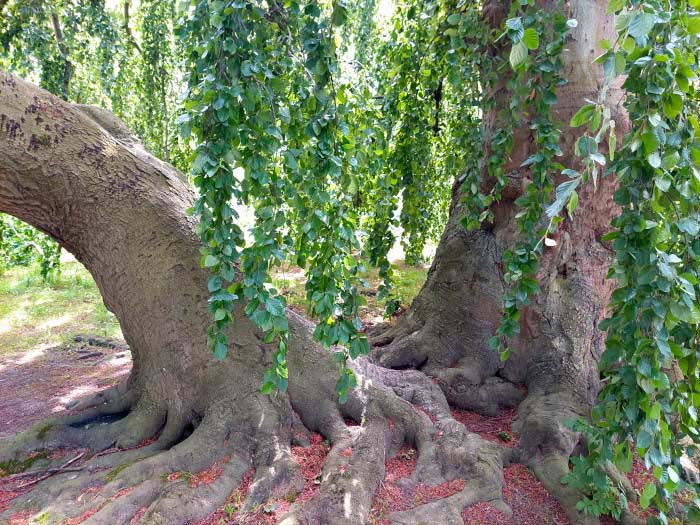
127 29
63 49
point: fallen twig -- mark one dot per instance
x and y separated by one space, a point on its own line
52 471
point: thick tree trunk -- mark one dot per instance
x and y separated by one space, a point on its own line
78 174
445 333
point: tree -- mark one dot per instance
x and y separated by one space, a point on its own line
123 214
176 389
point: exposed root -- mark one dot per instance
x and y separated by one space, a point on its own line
448 511
403 351
347 484
173 482
181 503
397 407
550 470
87 428
118 398
463 390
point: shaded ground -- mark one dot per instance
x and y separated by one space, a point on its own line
41 381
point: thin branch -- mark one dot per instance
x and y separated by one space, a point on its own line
127 28
51 472
67 66
55 470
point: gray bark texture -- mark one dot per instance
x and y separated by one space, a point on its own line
78 174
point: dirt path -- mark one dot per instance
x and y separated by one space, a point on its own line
38 383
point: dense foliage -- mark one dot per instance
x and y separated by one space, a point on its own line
649 403
21 245
339 123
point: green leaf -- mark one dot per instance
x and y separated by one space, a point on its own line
220 351
582 116
518 55
644 439
654 160
694 25
648 492
339 16
564 192
673 474
210 260
615 5
531 39
641 24
214 283
689 226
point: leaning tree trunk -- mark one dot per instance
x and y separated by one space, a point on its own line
77 174
446 331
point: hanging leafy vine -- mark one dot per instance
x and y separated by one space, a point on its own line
537 38
649 403
266 114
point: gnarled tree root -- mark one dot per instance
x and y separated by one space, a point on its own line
159 481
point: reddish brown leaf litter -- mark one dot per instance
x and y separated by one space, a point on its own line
205 477
228 513
21 518
79 519
496 428
390 497
640 476
393 496
135 519
310 460
526 496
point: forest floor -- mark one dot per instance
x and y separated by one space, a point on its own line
45 363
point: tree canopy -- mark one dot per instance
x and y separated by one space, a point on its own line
338 121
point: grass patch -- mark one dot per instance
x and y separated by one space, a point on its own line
35 313
408 280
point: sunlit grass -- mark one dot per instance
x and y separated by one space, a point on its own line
39 315
35 313
408 281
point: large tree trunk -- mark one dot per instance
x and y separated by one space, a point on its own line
446 331
78 174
